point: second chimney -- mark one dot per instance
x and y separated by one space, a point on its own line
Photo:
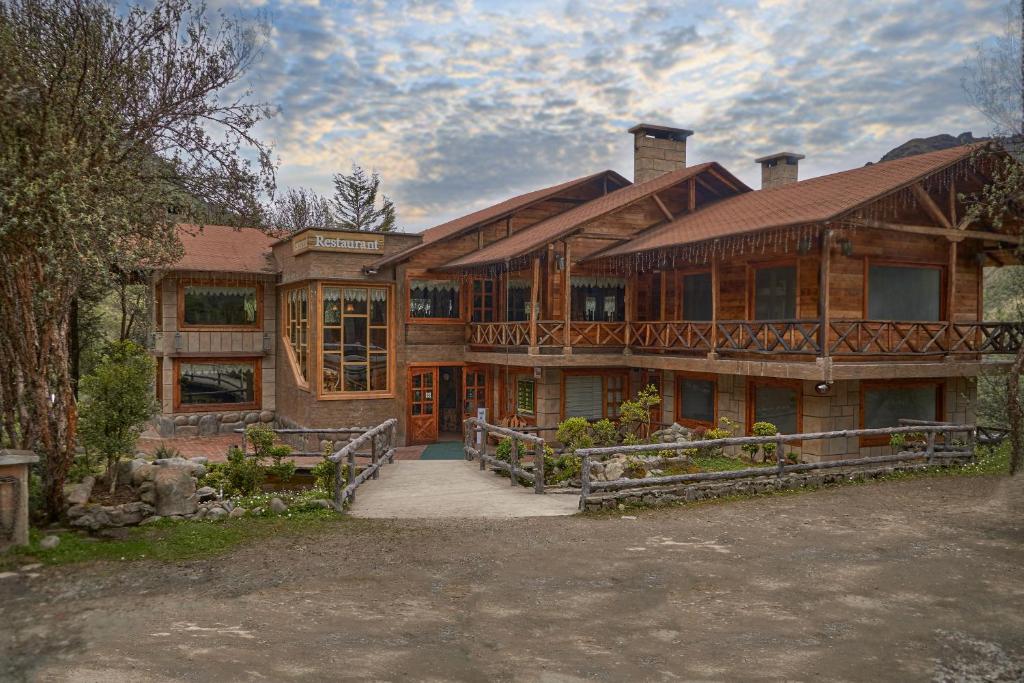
779 169
657 150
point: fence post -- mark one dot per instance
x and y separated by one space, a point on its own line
337 485
513 460
930 449
351 471
483 445
972 436
584 480
373 456
538 467
780 457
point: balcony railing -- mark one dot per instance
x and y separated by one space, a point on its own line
845 338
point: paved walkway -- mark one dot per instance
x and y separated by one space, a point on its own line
432 489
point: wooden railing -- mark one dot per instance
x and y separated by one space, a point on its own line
475 448
381 440
846 338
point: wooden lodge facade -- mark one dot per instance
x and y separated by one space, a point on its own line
844 301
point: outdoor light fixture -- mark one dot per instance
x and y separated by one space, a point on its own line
266 342
846 246
177 341
559 262
823 388
370 271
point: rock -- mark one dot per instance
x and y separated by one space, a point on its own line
208 425
175 492
114 533
199 460
230 417
181 420
206 493
216 513
80 493
323 503
613 470
237 512
8 575
148 495
49 542
193 420
30 567
228 505
277 506
266 416
194 469
230 427
125 468
143 474
252 418
164 426
151 520
187 430
201 513
94 517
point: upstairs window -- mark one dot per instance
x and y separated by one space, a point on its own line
775 293
696 297
599 299
214 305
518 300
483 301
904 293
434 299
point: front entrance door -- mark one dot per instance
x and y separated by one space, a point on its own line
475 390
422 405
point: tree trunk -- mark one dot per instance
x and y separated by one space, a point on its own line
1015 412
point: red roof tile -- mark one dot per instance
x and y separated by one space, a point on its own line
809 201
556 227
488 215
221 248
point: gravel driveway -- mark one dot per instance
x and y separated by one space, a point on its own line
906 580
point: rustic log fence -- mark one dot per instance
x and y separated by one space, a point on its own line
303 432
931 454
381 440
475 447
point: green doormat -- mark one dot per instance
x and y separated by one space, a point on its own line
446 450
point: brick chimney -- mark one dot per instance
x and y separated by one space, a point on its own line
657 150
779 169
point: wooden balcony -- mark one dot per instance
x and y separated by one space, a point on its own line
846 339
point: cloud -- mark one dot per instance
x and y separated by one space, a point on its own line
459 103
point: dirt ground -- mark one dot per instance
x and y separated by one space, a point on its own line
905 580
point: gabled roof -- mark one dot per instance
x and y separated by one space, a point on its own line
224 249
554 228
815 200
490 214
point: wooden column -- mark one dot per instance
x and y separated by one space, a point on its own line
534 304
567 339
630 312
663 294
824 267
950 296
714 305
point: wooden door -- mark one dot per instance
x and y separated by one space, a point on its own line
475 390
423 405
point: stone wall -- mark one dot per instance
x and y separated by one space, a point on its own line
209 424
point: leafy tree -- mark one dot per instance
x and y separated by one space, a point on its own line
113 128
635 415
300 208
355 203
117 399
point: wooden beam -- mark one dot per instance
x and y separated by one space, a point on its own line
930 206
691 204
953 234
950 294
664 209
823 300
567 274
602 236
707 186
952 203
715 174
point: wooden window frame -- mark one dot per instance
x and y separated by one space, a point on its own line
603 373
182 283
754 382
322 395
471 304
703 376
286 342
257 389
754 266
681 294
898 263
463 308
867 385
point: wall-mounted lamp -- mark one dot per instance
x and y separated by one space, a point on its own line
266 342
559 262
846 246
177 341
370 271
823 388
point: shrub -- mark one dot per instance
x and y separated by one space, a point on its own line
574 433
163 452
261 437
604 433
503 451
767 449
635 415
240 475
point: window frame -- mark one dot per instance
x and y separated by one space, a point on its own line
410 318
867 385
753 268
182 283
700 376
323 395
754 382
286 342
473 308
682 293
603 374
257 387
891 263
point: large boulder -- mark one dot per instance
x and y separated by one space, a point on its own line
143 473
208 425
80 492
175 492
126 470
196 469
614 470
95 517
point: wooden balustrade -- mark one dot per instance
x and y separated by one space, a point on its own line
769 336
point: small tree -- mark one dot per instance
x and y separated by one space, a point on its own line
355 203
117 399
635 415
300 208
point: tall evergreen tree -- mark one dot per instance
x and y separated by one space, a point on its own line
355 202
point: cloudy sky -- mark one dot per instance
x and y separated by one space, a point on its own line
461 103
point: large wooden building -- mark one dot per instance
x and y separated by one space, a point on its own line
844 301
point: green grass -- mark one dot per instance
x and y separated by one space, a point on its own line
170 540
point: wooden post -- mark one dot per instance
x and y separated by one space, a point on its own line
630 301
483 445
971 441
714 305
373 456
534 305
337 486
780 457
950 297
567 334
930 448
538 467
824 267
351 471
513 461
584 481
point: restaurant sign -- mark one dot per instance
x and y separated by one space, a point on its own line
334 240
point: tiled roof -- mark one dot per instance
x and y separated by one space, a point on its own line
809 201
221 248
488 215
556 227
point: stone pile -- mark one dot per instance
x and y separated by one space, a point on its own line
209 424
677 433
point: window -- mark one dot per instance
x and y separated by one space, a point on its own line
212 305
354 339
483 301
517 308
209 384
615 394
434 299
775 402
885 404
599 299
297 327
904 293
526 397
775 293
697 300
696 401
594 396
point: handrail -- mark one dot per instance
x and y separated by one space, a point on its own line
348 453
474 426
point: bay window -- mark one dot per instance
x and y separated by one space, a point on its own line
297 327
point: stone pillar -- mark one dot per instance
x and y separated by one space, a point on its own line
14 496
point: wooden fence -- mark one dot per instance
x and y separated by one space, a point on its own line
931 454
381 440
477 432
